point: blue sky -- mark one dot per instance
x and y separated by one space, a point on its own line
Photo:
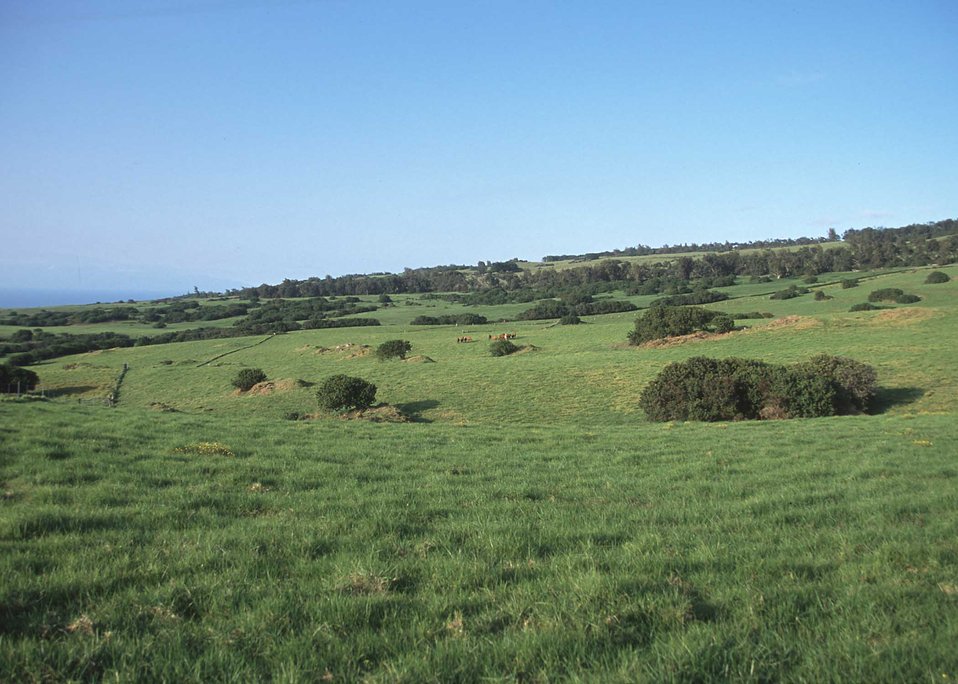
154 145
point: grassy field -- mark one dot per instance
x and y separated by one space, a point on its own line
528 525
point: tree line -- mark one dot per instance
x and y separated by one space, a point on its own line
864 249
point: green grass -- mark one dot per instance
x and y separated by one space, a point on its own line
533 526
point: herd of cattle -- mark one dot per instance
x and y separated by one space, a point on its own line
501 336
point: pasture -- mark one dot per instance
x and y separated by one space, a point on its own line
527 524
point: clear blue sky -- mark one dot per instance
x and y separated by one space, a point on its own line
162 144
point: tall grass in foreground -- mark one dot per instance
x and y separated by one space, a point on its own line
163 546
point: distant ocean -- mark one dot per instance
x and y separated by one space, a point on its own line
12 298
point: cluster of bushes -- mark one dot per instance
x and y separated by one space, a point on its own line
708 389
551 308
937 277
751 315
892 294
284 315
694 297
51 319
14 379
35 346
672 321
790 293
867 306
313 324
450 319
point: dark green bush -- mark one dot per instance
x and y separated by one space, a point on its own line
907 299
810 279
670 321
342 392
866 306
856 383
248 377
751 314
820 296
449 319
936 277
848 283
723 324
570 319
790 293
695 297
739 389
502 348
12 376
887 294
393 349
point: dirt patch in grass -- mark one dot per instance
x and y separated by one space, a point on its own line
797 322
267 387
419 358
525 349
906 316
384 413
161 407
680 339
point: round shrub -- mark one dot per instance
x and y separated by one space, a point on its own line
342 392
936 277
701 388
886 294
570 319
723 324
820 296
502 348
670 321
848 283
707 389
393 349
248 377
865 306
907 299
856 383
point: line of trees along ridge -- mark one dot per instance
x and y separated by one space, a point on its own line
864 249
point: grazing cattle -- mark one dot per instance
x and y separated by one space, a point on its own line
463 339
503 336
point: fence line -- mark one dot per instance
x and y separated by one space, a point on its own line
233 351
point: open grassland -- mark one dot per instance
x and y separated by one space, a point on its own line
530 525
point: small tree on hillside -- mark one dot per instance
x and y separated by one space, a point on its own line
936 277
248 377
393 349
502 348
342 392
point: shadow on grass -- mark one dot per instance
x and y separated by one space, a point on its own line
414 409
890 397
69 391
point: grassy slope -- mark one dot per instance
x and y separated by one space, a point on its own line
538 527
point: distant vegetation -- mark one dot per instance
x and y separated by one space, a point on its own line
937 277
865 249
